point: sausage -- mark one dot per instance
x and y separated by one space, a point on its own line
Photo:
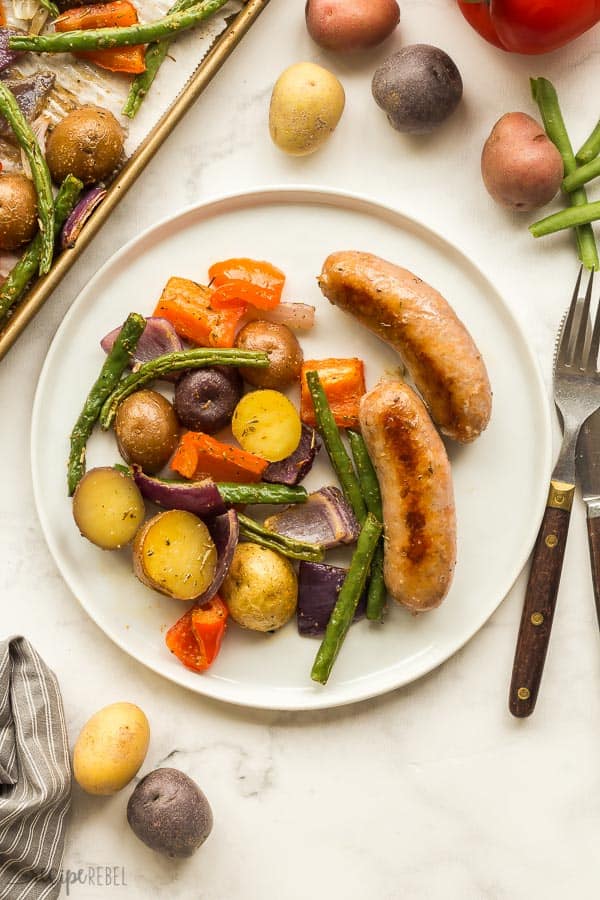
438 351
416 489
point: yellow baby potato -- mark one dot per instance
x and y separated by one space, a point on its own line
306 104
111 748
267 424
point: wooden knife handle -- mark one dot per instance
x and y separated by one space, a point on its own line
540 602
593 527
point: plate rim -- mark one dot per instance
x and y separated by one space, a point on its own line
298 193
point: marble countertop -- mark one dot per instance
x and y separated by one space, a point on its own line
433 792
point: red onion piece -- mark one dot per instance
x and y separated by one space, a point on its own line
7 56
81 213
318 589
158 337
295 467
225 532
297 316
199 497
326 519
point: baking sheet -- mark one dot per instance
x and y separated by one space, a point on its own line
201 53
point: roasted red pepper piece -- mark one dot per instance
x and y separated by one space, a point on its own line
117 14
240 281
530 26
195 639
209 623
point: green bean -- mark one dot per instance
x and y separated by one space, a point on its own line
581 175
107 38
40 173
566 218
376 591
50 7
114 366
591 148
261 493
347 601
338 454
175 362
545 96
24 270
254 532
156 54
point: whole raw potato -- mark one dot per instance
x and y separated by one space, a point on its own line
306 105
351 24
418 87
111 748
520 166
169 813
260 589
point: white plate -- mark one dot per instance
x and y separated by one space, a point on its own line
500 480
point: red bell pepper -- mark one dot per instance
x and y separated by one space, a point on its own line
237 282
195 639
117 14
530 26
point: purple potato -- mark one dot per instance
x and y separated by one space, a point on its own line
169 813
206 398
418 87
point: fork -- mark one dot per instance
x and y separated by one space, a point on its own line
576 396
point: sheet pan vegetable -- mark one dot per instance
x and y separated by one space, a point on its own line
9 108
318 588
266 423
174 553
376 593
205 399
156 53
79 216
107 38
114 366
340 460
174 362
325 519
195 639
108 508
187 306
291 547
200 454
343 381
260 589
116 14
282 347
294 468
159 337
22 273
147 430
347 601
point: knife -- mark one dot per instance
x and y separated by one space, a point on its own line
588 471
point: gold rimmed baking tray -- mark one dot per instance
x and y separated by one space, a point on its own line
37 295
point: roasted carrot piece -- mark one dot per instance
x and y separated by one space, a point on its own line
118 14
343 381
2 15
129 60
199 454
187 307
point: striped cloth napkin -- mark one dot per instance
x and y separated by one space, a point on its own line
35 775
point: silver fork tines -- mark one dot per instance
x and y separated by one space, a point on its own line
576 375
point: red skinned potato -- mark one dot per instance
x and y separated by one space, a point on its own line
521 168
346 25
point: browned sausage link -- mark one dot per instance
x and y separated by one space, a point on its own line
414 318
416 489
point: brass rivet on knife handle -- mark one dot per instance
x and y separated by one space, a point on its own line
537 618
560 495
523 693
207 69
